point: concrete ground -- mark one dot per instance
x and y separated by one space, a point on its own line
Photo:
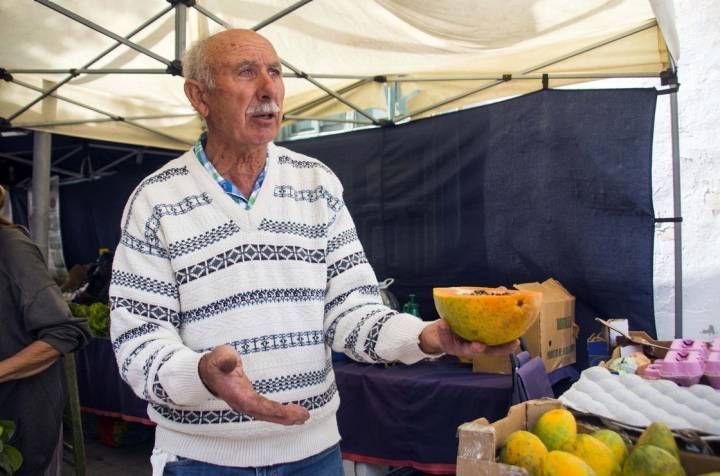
133 443
103 460
112 448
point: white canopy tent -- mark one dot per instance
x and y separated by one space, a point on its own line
111 70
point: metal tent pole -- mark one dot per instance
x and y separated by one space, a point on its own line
180 25
39 219
94 26
677 213
89 63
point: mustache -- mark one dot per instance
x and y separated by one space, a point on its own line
267 107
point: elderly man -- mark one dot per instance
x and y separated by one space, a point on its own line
239 269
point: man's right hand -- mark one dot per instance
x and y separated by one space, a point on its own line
222 373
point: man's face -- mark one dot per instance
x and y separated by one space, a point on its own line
244 108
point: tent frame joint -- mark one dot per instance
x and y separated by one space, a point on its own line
669 77
5 75
507 77
385 122
175 67
671 90
187 3
5 124
545 81
380 79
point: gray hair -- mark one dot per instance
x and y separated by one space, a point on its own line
195 65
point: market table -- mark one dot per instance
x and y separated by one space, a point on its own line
408 415
397 415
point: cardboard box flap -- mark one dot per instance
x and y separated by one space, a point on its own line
635 337
521 416
476 452
551 290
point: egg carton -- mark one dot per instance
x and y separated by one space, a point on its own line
637 402
687 361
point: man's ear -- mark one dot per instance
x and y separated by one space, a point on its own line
195 92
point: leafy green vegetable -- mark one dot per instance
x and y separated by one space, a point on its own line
7 430
10 457
98 316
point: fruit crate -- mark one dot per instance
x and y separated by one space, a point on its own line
480 440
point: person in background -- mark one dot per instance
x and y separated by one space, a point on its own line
37 330
238 271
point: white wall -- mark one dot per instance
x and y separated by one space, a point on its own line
699 103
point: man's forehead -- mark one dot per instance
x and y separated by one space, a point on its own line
240 45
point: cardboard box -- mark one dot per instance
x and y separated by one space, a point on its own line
480 440
499 364
653 348
553 335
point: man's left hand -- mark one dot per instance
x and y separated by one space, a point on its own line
439 338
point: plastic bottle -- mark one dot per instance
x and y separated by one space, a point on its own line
411 307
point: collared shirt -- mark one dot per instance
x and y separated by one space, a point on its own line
230 188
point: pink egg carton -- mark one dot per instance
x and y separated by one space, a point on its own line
691 345
712 364
715 345
683 367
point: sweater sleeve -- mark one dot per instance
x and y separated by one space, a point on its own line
46 316
145 314
357 323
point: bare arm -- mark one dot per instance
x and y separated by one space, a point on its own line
30 361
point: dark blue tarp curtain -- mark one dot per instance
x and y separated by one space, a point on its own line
552 184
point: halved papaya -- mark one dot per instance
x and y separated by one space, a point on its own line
493 316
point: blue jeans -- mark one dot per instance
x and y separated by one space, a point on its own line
327 463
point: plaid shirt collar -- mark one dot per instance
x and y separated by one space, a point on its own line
227 186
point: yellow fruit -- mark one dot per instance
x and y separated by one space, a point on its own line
648 460
491 315
524 449
560 463
595 453
556 428
615 442
658 434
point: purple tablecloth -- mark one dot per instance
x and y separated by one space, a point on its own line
400 415
102 391
409 415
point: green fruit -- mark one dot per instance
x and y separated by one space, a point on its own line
595 453
556 428
658 434
524 449
648 460
560 463
615 442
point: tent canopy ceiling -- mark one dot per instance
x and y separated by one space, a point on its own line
450 53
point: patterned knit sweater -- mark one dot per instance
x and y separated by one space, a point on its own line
283 283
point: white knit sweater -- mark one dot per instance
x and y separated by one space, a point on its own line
282 283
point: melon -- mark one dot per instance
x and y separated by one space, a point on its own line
493 316
659 434
615 442
524 449
560 463
649 460
556 428
595 453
